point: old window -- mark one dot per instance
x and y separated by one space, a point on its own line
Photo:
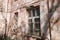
34 21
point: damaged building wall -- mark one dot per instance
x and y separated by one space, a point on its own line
17 26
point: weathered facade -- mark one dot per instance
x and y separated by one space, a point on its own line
18 16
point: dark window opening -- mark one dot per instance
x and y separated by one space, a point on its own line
33 10
16 14
16 18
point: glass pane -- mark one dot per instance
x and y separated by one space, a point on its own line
37 32
31 28
33 10
37 26
38 11
37 20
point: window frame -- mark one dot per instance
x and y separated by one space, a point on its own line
34 17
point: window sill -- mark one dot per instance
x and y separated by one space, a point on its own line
33 36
